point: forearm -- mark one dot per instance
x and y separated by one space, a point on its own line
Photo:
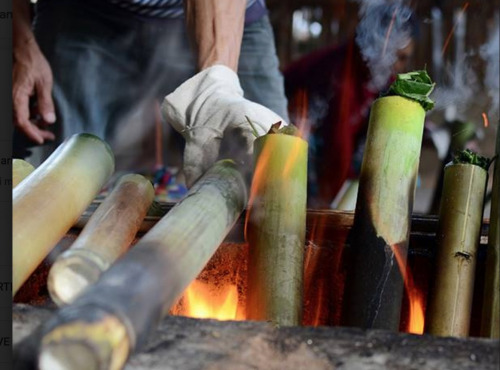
216 28
21 24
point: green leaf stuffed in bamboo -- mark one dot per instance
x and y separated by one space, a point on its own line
490 324
460 219
380 234
276 227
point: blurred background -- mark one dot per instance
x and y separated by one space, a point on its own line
457 42
337 56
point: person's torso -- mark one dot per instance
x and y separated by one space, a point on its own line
175 8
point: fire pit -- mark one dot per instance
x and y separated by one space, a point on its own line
220 291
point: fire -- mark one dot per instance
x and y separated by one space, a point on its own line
389 30
261 168
301 106
464 8
207 301
485 120
311 261
416 319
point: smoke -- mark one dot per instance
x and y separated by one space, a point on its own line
456 96
460 85
384 28
491 55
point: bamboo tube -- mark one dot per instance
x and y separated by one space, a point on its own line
460 218
490 324
348 200
106 237
52 198
276 230
139 288
20 170
380 234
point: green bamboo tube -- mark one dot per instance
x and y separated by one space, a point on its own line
490 324
460 218
348 200
20 170
276 230
47 203
380 235
137 290
106 236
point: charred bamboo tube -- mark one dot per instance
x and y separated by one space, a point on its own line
490 324
47 203
380 234
276 229
20 170
460 219
107 236
129 299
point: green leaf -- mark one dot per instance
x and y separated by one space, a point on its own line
285 130
291 130
156 210
254 130
416 85
275 129
467 156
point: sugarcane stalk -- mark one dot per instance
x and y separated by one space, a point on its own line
140 288
380 234
460 219
490 324
276 229
47 203
106 236
20 170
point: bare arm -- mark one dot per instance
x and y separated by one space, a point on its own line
31 75
21 24
216 27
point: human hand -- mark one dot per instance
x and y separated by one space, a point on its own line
209 110
32 76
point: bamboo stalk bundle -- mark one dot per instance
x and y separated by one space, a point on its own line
107 236
460 219
129 299
380 234
47 203
490 324
20 170
276 229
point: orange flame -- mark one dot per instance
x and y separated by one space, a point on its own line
292 159
206 301
389 30
485 120
261 168
448 39
311 261
301 105
417 319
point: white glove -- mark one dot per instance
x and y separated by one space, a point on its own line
208 108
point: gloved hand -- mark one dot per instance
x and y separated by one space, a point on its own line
209 111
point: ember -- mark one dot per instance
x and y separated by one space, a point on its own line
486 122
